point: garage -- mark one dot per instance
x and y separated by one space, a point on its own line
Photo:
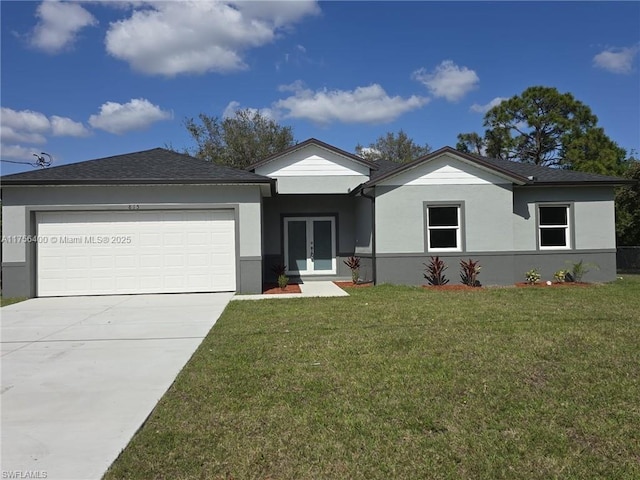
128 252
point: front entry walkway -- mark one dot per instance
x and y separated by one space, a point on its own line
308 289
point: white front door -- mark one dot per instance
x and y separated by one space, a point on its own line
310 245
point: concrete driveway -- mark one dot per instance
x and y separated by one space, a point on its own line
81 374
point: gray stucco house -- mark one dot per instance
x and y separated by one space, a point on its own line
160 222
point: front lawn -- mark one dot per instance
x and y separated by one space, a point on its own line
404 383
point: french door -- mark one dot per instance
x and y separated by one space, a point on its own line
310 245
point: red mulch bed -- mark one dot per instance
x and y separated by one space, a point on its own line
451 287
274 288
553 284
354 285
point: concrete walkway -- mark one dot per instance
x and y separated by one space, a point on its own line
81 374
308 289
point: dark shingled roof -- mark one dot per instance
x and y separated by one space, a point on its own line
156 166
520 173
384 167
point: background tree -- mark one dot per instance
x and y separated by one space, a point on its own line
538 125
394 147
545 127
238 141
470 143
628 208
594 152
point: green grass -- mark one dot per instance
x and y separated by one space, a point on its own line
8 301
403 383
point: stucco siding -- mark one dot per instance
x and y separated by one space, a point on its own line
363 220
319 184
593 222
487 211
14 226
498 268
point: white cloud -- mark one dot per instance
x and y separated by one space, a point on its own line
233 106
448 80
369 104
617 60
476 107
27 126
119 118
59 24
171 38
17 152
65 127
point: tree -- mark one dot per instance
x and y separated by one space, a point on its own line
238 141
545 127
470 143
628 208
537 126
397 148
594 152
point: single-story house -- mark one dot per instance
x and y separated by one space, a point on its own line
160 222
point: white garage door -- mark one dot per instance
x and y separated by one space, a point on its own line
100 253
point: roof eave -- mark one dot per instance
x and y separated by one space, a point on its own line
94 182
582 183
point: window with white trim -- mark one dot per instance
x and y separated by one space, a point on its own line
553 226
443 228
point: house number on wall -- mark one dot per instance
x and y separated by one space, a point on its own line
134 207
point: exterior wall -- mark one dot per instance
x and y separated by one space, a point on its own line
363 220
504 268
499 225
276 208
21 203
313 170
593 215
486 212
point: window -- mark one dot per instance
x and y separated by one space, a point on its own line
443 228
553 226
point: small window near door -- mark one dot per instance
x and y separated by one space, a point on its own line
443 228
553 226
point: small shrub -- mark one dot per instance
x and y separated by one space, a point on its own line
279 269
469 272
532 276
354 264
578 270
435 271
283 281
560 276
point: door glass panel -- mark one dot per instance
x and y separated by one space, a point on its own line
297 238
322 251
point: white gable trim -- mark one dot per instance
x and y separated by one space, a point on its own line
448 169
312 160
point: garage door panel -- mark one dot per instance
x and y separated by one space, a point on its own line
163 252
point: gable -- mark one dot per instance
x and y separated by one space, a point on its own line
445 169
312 160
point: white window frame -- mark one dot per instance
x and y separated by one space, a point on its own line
566 226
458 228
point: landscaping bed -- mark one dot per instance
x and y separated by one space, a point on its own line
273 288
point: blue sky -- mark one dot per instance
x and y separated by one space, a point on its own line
83 80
